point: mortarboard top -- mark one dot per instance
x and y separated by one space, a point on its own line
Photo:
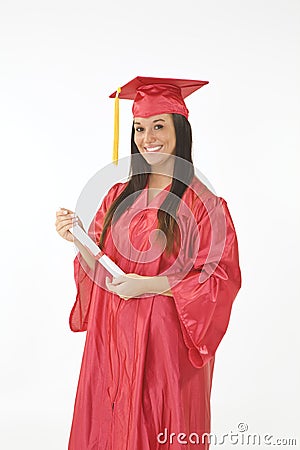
153 96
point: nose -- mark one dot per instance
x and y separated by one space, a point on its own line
149 136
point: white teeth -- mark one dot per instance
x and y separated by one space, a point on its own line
153 149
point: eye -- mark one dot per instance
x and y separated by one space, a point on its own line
158 126
139 129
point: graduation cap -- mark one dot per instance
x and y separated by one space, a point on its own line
153 96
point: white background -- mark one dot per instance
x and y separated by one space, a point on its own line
59 62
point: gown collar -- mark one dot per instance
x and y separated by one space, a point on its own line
159 198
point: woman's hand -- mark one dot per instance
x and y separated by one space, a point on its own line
128 286
66 219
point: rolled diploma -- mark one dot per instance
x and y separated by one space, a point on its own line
93 248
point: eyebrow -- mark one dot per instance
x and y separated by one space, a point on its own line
154 121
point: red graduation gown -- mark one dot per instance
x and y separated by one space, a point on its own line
148 362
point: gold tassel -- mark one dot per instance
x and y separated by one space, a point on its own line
116 129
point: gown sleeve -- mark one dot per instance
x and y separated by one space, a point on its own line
83 274
204 297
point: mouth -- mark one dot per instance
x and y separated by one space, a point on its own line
153 149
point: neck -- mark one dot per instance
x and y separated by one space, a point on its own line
159 181
160 177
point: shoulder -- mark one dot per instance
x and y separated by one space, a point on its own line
109 196
114 191
202 202
200 196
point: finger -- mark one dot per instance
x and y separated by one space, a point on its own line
65 209
108 284
64 229
66 232
111 288
119 280
65 213
65 223
66 217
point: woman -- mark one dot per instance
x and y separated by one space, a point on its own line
152 334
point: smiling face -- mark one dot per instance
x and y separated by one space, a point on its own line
155 138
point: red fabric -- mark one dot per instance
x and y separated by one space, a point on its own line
158 99
154 96
148 362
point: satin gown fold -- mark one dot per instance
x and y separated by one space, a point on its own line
147 366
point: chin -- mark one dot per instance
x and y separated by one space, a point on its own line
154 159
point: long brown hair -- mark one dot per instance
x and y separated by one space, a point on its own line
139 172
